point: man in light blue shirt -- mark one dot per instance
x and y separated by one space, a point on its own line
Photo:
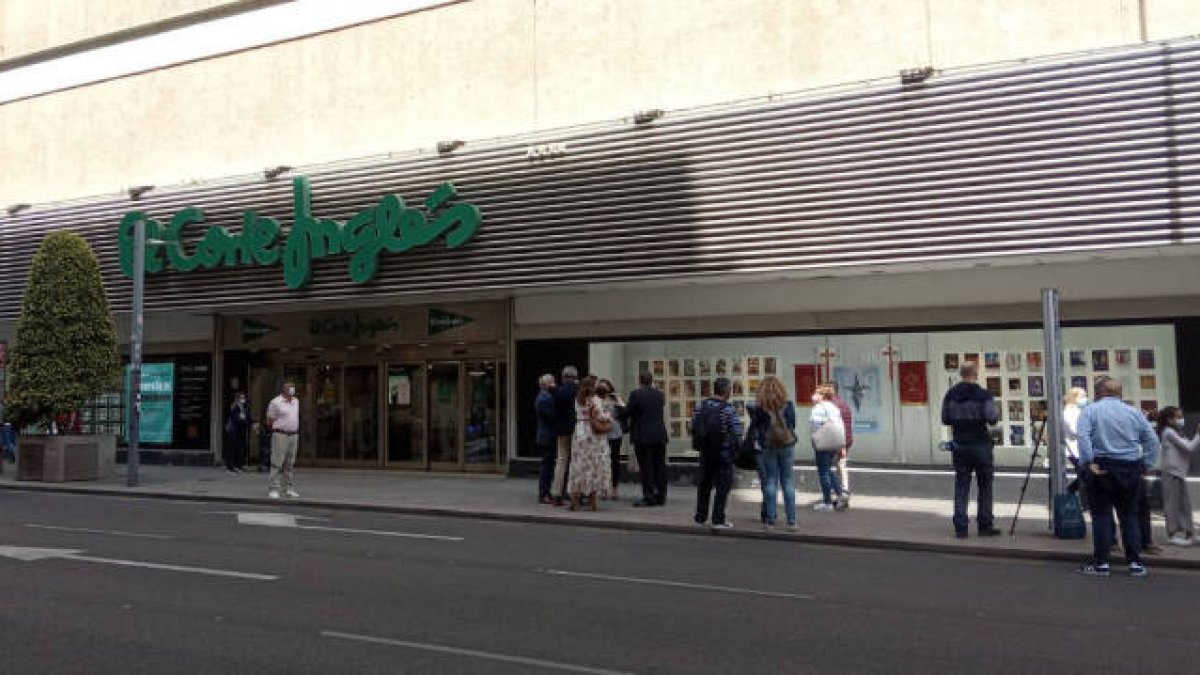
1116 447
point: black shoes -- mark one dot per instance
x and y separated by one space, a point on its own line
990 532
961 534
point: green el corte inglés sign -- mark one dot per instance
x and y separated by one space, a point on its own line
388 225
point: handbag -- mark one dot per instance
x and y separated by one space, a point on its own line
600 426
747 453
831 435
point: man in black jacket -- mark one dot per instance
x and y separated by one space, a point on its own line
969 410
563 427
648 433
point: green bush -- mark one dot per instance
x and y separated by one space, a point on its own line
66 344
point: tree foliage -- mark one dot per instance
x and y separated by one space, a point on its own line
66 343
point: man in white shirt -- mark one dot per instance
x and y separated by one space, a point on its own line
283 416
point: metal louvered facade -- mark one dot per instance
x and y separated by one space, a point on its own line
1093 153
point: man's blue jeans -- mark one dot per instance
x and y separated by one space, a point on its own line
825 475
978 460
775 472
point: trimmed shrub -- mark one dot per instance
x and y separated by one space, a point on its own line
66 343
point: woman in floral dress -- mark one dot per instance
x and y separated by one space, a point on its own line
590 471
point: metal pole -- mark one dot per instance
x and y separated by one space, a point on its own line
1052 431
135 350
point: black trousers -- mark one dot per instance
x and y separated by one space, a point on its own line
1118 489
614 458
235 449
652 462
973 459
716 470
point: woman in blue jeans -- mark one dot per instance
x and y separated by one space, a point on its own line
829 438
774 422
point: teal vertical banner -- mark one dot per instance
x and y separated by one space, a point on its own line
158 396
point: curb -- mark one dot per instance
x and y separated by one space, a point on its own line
785 537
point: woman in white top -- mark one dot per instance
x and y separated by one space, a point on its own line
1074 401
1176 454
828 439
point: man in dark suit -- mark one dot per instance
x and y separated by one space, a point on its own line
563 425
648 433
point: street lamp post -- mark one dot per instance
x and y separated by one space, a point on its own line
135 350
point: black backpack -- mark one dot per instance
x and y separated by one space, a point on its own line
708 430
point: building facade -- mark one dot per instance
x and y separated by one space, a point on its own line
623 198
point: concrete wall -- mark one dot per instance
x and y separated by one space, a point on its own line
485 68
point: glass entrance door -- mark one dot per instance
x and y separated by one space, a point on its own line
481 448
360 442
406 415
445 415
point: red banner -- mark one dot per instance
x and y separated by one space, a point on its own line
914 383
807 379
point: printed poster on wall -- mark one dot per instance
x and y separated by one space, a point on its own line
914 383
806 382
859 387
156 422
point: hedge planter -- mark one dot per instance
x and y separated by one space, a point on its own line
56 459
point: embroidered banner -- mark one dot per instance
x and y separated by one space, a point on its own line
914 383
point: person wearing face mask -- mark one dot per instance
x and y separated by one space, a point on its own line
1177 450
235 434
283 417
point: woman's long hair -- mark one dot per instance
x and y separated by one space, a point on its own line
771 394
1164 419
587 389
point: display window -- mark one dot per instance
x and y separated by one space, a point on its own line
894 382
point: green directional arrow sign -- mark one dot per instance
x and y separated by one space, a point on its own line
253 330
441 321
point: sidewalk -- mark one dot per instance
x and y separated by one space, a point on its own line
919 523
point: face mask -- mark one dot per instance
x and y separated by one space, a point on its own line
816 398
1177 423
241 401
291 391
1082 401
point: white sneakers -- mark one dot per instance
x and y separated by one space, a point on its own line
274 494
1179 540
822 507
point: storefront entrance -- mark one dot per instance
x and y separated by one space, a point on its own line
437 415
403 388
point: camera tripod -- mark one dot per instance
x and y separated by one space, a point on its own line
1037 433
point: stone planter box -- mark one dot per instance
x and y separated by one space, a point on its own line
56 459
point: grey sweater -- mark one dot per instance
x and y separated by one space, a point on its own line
1177 451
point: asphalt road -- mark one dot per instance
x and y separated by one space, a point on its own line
350 592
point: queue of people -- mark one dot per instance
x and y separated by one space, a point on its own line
581 425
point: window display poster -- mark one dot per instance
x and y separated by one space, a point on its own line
806 382
399 389
860 387
914 383
155 423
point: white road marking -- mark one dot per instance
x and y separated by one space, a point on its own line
86 530
28 554
474 653
272 519
680 584
381 533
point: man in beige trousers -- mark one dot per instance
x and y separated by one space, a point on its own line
283 416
